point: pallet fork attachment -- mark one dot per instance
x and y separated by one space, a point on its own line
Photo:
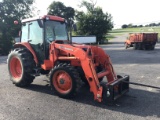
113 91
139 84
116 89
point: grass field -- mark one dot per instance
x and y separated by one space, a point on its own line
117 32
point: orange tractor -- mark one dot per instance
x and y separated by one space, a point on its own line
45 48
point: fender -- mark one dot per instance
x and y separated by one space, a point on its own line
28 46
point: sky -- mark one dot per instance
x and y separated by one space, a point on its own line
123 11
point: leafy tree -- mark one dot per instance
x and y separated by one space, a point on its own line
134 26
130 25
124 26
59 9
147 25
11 10
153 24
94 21
140 26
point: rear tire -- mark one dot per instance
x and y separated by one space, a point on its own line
20 67
139 46
147 47
135 47
143 46
65 80
152 47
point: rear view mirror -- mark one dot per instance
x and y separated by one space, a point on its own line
40 23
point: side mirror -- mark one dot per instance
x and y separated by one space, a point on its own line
16 22
40 23
74 27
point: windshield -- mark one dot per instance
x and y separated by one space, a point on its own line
55 30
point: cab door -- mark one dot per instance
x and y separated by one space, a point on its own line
36 39
33 33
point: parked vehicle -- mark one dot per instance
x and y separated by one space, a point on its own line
142 41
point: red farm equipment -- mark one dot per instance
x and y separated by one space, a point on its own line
142 41
45 48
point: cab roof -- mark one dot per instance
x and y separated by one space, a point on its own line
50 17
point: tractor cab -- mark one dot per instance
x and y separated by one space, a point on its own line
39 32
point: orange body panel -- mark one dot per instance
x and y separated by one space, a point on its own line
56 18
46 65
28 46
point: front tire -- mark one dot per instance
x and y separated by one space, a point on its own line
65 80
152 47
20 67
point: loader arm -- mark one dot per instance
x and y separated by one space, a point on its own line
87 66
86 62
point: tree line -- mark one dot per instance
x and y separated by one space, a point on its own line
134 26
92 22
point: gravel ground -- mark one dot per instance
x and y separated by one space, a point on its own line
37 102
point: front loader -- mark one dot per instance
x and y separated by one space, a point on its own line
44 48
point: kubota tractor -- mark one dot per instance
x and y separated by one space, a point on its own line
45 48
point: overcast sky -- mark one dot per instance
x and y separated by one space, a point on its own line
122 11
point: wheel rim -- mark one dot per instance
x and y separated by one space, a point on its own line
15 68
62 82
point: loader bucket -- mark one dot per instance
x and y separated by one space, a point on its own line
116 89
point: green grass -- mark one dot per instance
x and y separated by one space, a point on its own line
118 32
